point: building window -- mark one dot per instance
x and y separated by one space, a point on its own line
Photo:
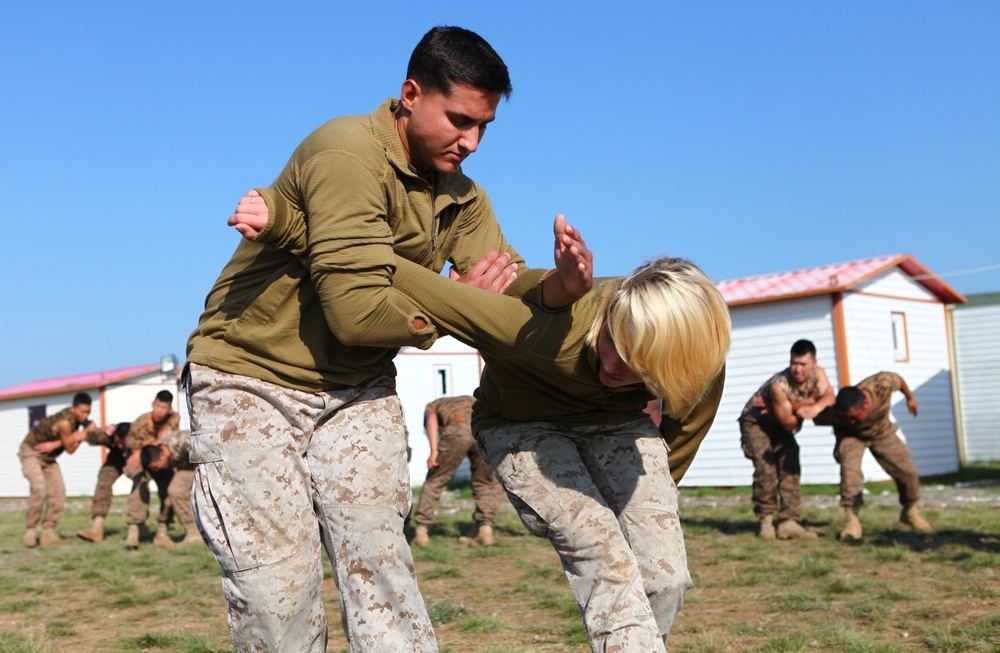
900 342
442 380
35 415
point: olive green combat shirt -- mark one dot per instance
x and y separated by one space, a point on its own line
327 316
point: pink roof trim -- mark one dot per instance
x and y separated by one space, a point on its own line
837 277
77 382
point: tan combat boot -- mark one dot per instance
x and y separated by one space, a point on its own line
911 517
162 538
485 535
191 536
421 538
50 538
95 533
793 530
132 537
852 527
766 527
30 538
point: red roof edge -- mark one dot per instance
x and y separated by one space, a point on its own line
76 383
931 281
922 275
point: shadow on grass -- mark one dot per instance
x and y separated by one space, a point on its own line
924 542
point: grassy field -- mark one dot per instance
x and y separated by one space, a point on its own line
895 591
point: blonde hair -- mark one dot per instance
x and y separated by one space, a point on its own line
671 326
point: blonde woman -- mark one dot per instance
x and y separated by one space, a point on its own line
560 419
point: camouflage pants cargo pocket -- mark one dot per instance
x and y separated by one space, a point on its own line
222 514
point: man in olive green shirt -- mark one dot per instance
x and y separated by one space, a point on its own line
295 418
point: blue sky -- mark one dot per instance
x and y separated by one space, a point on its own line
751 137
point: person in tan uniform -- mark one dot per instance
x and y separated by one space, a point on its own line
768 425
174 453
448 422
860 421
149 428
45 442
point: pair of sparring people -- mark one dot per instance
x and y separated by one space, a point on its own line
860 417
124 446
560 419
297 427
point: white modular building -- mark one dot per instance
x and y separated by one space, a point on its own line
118 396
879 314
976 334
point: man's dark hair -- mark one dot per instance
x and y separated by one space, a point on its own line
82 398
850 397
149 453
121 430
165 396
450 56
803 347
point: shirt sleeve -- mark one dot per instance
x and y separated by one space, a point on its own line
347 246
498 324
136 437
684 437
825 418
892 381
350 255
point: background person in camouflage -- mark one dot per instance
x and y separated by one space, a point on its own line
150 428
768 425
46 441
174 454
448 422
112 468
860 421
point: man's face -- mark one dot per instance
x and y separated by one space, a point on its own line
443 129
612 370
801 367
160 463
858 414
161 410
80 412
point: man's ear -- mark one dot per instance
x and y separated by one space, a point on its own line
409 93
